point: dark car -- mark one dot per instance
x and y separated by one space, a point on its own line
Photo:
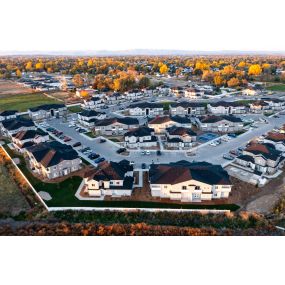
143 166
77 144
121 150
102 140
98 160
67 139
158 152
93 155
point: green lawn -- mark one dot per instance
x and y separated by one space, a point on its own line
90 135
279 87
63 194
22 102
75 109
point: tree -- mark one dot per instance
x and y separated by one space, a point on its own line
143 82
90 63
254 69
233 82
84 93
163 69
242 64
39 66
18 73
218 80
77 80
29 66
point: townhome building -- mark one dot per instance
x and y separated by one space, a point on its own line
113 179
193 93
88 118
189 182
221 124
53 159
180 137
115 98
13 126
276 139
261 157
146 109
161 123
115 126
187 108
7 115
274 103
258 106
226 108
134 94
47 111
140 137
24 139
96 102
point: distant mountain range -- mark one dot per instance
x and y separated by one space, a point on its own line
133 52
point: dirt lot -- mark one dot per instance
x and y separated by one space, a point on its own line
10 87
12 200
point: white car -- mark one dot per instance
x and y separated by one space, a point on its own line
147 152
213 144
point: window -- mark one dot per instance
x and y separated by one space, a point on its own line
184 187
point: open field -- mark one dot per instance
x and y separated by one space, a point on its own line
22 102
279 87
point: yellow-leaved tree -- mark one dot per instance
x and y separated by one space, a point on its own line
254 69
163 69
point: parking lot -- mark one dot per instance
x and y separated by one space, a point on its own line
205 152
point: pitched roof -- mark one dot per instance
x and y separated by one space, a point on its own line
276 137
160 120
110 121
226 104
186 104
144 105
8 113
214 119
29 134
90 113
183 171
52 153
47 107
180 131
181 120
139 132
268 151
14 124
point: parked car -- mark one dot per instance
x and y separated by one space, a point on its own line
76 144
213 144
228 157
143 152
121 150
98 160
158 152
67 139
93 155
102 141
143 166
147 152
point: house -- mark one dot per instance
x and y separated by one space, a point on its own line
258 106
189 182
179 137
88 117
96 102
177 91
182 121
253 90
146 109
161 123
187 108
274 103
226 108
115 126
13 126
193 93
115 98
140 137
263 158
221 124
163 89
24 139
134 94
53 159
113 179
47 111
276 139
7 115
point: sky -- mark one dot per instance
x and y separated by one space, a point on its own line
202 25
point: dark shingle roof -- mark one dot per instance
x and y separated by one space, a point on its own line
180 131
8 113
125 120
139 132
47 107
52 153
14 124
214 119
183 171
144 105
90 113
30 134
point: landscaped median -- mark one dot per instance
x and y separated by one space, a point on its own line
63 194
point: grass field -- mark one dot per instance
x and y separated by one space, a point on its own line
22 102
279 87
75 109
12 200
